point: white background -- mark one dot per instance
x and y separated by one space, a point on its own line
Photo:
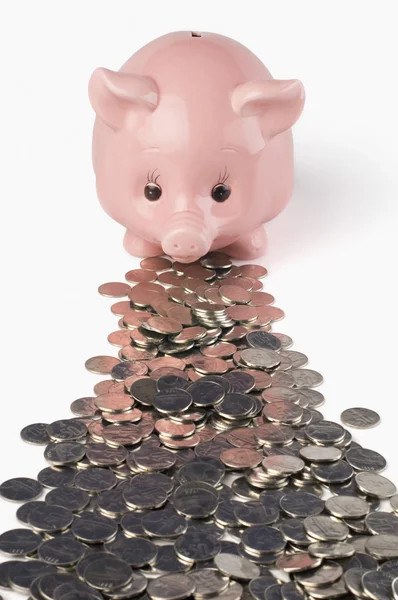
332 256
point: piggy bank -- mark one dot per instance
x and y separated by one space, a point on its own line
192 146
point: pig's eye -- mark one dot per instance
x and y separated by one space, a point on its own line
221 192
152 191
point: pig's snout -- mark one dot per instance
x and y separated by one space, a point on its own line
186 238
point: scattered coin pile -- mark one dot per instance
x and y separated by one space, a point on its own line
202 468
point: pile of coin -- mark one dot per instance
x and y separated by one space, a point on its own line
201 466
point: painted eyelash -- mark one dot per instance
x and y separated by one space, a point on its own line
150 178
224 177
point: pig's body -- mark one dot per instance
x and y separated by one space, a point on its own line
186 114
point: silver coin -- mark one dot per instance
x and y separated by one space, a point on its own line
325 432
374 484
173 586
382 547
376 585
208 582
395 588
363 459
325 529
382 522
298 359
347 507
36 434
260 358
360 418
236 567
306 378
321 454
325 575
331 550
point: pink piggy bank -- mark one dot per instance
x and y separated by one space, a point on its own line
192 147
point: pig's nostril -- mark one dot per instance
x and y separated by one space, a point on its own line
192 247
176 246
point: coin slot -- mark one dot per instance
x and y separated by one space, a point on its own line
196 34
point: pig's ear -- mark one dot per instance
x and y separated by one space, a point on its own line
114 95
277 103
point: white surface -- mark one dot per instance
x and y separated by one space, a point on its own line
333 252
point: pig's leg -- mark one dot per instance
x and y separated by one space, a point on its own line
248 246
139 247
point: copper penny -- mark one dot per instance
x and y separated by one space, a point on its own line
162 371
177 294
120 308
102 387
188 442
234 334
241 458
131 353
209 366
140 276
166 361
242 313
119 338
198 272
254 271
273 313
168 428
163 325
95 430
191 285
262 379
120 324
170 278
219 350
207 433
161 306
189 334
243 282
181 314
130 416
213 295
114 402
235 293
155 263
243 437
101 364
114 289
257 284
122 435
261 299
142 293
135 318
194 375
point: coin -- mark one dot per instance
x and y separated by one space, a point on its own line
360 418
101 364
301 504
35 434
260 358
297 562
376 585
20 489
173 586
374 484
114 289
325 528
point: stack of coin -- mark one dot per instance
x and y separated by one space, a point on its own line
201 466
